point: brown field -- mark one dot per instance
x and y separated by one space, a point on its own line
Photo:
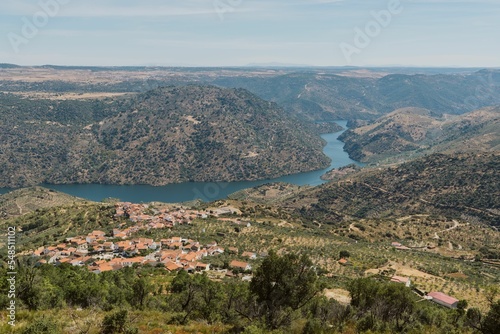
67 96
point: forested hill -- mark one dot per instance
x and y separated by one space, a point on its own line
167 135
203 134
465 186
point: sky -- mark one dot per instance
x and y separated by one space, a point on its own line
424 33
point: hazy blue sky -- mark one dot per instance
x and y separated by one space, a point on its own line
239 32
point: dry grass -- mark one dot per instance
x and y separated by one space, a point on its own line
340 295
68 96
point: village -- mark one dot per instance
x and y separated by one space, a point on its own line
100 252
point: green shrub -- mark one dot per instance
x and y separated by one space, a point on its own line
42 325
116 323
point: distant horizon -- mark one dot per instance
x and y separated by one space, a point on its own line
235 33
264 65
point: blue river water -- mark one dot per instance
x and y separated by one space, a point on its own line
206 191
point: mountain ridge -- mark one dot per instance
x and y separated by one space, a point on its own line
415 132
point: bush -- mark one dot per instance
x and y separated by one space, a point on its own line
116 323
42 325
313 326
344 254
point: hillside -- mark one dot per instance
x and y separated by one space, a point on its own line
410 132
205 134
167 135
22 201
310 93
455 262
55 223
465 186
48 141
323 95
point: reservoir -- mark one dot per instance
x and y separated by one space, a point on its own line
206 191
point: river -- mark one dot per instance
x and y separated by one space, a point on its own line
207 191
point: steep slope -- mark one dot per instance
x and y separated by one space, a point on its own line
58 221
329 96
412 132
27 200
49 141
203 134
168 135
465 186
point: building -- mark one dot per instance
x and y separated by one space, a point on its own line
240 265
442 299
202 266
400 279
250 255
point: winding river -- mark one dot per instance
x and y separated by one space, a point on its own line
207 191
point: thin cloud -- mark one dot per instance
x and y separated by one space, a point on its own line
324 1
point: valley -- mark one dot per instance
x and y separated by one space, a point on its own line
221 200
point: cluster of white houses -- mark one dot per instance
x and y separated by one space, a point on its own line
100 252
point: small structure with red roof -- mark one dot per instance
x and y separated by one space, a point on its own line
443 299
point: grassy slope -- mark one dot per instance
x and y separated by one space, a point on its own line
367 240
23 201
53 224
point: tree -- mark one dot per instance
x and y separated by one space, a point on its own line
117 323
491 323
141 291
343 254
490 293
473 318
388 302
460 311
197 297
283 285
363 292
29 280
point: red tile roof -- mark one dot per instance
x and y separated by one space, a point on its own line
442 297
172 266
238 264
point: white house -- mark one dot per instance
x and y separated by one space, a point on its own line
400 279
